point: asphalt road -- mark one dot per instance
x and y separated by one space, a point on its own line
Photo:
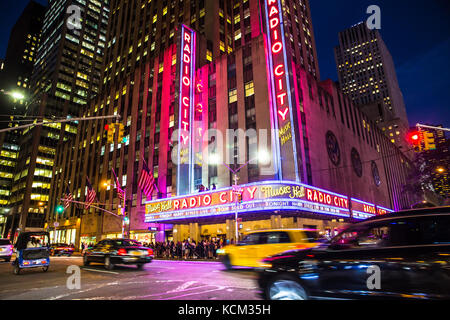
159 280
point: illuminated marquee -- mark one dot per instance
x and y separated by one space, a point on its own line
364 210
271 195
282 113
381 210
186 110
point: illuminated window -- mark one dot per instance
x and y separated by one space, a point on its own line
208 55
232 96
249 89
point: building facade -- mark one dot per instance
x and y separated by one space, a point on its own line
66 75
439 160
177 105
367 74
22 50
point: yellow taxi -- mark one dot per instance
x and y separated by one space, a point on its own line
256 245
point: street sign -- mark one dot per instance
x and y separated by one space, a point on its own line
56 224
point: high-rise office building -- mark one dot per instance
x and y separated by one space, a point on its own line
15 79
22 50
175 80
66 76
367 74
438 161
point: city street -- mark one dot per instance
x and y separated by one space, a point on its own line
159 280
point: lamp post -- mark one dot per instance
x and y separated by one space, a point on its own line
263 157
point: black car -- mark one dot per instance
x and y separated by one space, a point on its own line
111 252
404 255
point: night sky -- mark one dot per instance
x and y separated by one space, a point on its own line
417 33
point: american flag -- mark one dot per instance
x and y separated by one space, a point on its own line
68 198
120 192
146 180
91 195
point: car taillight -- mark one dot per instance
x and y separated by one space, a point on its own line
122 252
150 252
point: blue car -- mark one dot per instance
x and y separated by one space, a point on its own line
32 251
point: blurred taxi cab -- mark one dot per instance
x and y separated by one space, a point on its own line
259 244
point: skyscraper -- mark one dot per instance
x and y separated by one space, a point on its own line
15 79
66 75
367 74
22 50
178 71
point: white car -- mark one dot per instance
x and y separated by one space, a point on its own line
6 249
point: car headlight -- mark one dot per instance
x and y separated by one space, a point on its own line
220 251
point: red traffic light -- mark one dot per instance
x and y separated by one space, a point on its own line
415 137
107 127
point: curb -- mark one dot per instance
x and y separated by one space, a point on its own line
188 260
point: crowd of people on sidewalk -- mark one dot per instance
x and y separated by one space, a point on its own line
187 249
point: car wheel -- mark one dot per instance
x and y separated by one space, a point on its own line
85 260
108 264
227 262
140 266
16 269
45 269
286 289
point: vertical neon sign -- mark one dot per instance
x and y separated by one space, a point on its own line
186 111
281 92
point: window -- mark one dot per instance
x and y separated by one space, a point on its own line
362 237
249 89
277 237
232 96
251 239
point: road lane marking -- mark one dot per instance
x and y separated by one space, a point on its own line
194 293
95 270
182 287
168 293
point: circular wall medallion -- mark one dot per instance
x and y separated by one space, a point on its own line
375 174
334 152
356 162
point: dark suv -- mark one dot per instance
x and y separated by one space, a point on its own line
118 251
403 255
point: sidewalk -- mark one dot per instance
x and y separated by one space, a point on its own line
78 254
175 259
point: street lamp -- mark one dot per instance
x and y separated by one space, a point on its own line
17 95
263 157
440 170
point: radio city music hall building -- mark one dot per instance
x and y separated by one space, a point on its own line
329 163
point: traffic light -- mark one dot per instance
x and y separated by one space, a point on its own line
59 209
121 133
239 197
429 141
111 130
415 138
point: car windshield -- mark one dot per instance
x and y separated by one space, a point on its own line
127 243
4 242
